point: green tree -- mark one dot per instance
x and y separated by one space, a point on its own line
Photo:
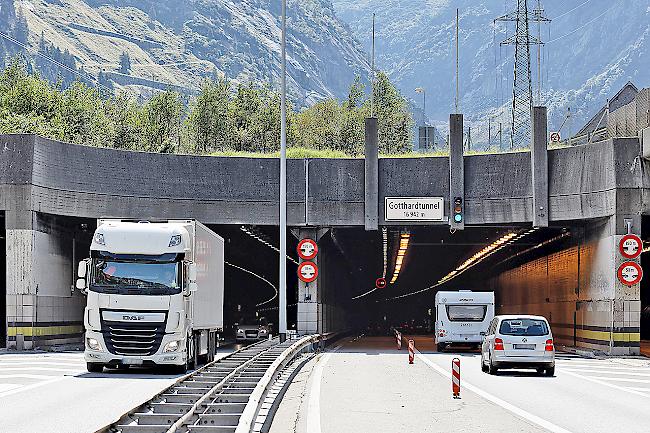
160 123
83 114
393 118
125 63
208 120
242 111
125 115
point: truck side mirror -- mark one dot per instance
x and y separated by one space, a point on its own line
192 287
82 270
191 272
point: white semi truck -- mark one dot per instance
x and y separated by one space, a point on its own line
154 294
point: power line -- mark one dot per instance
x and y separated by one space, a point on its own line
571 10
92 79
585 24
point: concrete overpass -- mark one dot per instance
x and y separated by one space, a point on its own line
50 192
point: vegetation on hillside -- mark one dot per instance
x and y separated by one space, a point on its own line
222 118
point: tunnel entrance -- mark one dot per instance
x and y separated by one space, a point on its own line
3 281
644 328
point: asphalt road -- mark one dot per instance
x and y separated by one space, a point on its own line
53 393
368 385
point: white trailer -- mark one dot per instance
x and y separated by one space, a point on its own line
462 317
154 294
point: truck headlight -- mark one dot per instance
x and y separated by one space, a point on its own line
172 346
262 331
93 344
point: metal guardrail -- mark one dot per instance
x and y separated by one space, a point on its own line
224 396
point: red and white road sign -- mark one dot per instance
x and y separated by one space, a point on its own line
411 351
398 336
307 249
307 271
630 246
380 283
455 377
630 273
555 137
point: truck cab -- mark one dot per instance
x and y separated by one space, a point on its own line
153 296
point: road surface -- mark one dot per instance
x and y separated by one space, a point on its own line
367 385
53 392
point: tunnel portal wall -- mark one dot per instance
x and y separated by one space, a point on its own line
576 289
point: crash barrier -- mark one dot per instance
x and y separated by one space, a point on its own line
411 351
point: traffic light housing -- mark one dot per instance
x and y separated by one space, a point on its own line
458 210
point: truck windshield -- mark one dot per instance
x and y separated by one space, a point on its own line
122 277
466 313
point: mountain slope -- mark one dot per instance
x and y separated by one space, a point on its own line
178 42
594 48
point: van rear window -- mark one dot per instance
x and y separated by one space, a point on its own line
466 313
528 327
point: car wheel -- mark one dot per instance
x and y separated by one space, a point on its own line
484 368
491 368
550 371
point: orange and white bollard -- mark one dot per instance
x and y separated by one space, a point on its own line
455 377
398 336
411 351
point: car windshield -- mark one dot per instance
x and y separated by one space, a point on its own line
466 313
527 327
136 277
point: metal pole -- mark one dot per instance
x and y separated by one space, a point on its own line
457 61
372 71
283 184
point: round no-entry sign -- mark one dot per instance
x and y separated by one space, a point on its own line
630 273
307 249
630 246
380 283
307 271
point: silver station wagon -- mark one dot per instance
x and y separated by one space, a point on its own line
518 341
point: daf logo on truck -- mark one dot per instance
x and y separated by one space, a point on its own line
126 317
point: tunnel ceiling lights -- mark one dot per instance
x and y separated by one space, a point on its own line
404 239
646 247
261 310
474 260
254 234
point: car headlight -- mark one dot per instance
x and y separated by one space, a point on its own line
240 331
93 344
263 331
172 346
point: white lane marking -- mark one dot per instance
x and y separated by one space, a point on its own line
602 382
32 386
618 379
313 405
504 404
4 365
641 389
60 370
601 371
606 366
8 386
27 376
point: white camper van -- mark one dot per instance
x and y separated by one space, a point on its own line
462 317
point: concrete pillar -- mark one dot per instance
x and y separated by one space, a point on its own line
539 167
311 313
41 310
456 169
371 174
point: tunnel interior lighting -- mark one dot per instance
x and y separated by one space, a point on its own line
646 247
475 259
384 242
404 239
250 231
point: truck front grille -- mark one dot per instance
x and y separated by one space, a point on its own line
133 339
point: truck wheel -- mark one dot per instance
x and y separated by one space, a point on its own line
94 367
190 364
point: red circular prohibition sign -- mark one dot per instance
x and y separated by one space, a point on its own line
630 273
630 246
307 249
307 272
